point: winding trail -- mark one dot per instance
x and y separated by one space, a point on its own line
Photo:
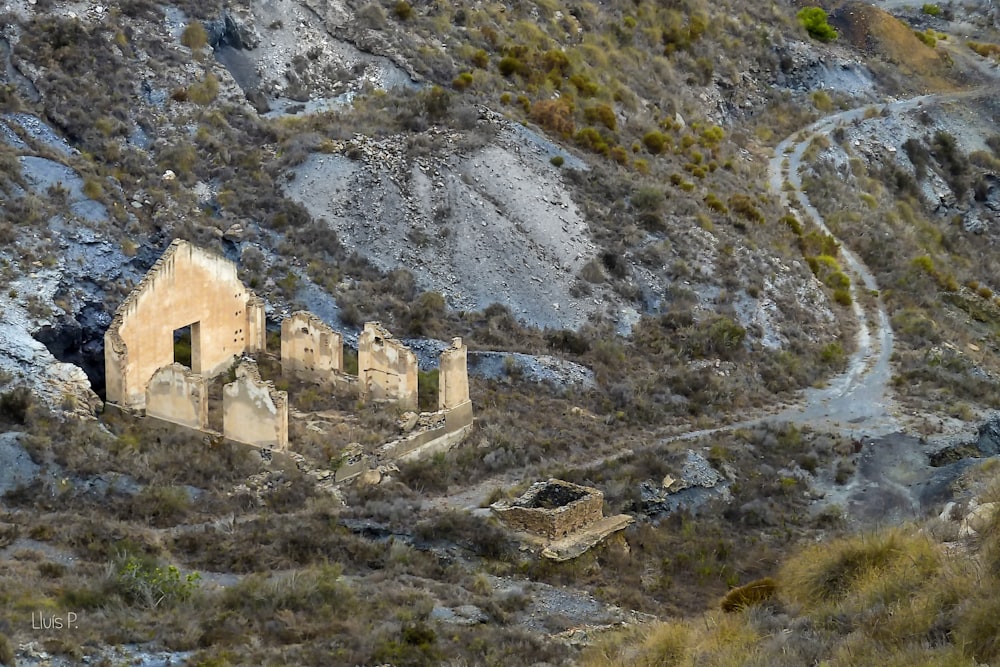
860 396
858 402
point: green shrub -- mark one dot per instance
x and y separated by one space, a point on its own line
712 136
84 598
139 581
647 199
160 505
821 100
205 91
832 354
984 50
371 16
462 81
402 10
745 207
931 10
194 36
656 142
837 568
570 341
715 203
792 223
557 160
927 38
666 644
813 19
584 85
837 280
977 630
6 651
591 139
556 62
416 645
509 65
427 389
719 336
924 264
92 188
842 296
603 114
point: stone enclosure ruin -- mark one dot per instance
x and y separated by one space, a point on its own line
566 519
193 294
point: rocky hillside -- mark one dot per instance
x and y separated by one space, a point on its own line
738 240
259 128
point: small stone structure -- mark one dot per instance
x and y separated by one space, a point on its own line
178 395
187 287
568 519
387 369
552 509
310 348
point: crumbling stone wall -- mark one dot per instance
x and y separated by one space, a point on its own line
453 376
387 369
552 509
178 395
253 411
188 286
310 348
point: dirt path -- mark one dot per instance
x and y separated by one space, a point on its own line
859 397
858 401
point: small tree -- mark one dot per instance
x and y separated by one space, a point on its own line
813 19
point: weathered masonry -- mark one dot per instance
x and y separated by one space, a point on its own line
428 432
177 394
453 378
567 519
187 289
310 348
193 292
387 369
253 412
552 509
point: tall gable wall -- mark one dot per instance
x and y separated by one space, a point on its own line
188 286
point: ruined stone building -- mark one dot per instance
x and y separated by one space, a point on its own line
187 289
194 291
